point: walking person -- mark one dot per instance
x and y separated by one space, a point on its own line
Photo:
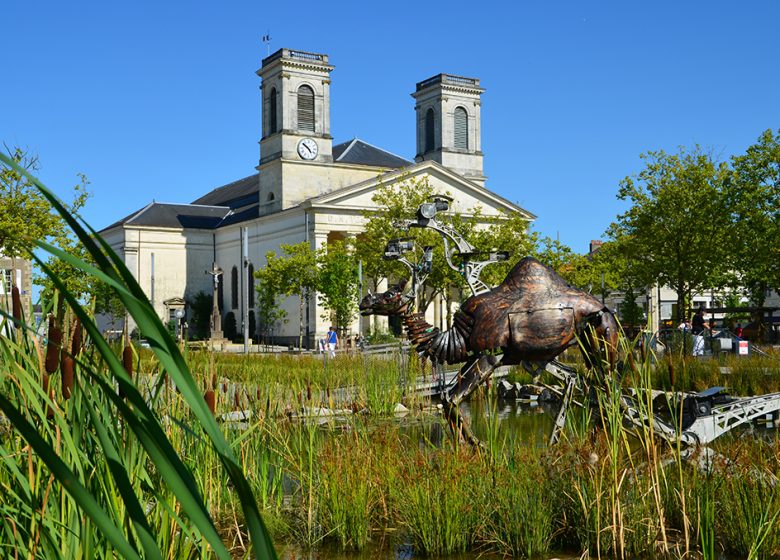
697 330
333 341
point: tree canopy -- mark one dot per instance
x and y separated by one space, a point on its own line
676 230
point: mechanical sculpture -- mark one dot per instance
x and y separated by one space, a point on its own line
533 315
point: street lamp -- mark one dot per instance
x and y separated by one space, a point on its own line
179 315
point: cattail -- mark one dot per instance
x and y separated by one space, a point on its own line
77 340
211 400
214 381
17 305
67 377
53 347
258 394
49 409
127 362
308 391
236 400
224 387
671 373
45 383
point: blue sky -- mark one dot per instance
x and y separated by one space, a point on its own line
160 99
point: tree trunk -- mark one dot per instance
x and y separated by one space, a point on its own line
300 330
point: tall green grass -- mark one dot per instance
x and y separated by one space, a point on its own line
84 473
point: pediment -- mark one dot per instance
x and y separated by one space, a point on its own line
466 194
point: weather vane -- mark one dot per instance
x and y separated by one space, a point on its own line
267 41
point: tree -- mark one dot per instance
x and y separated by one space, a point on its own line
200 307
676 229
510 233
26 215
338 282
754 201
395 203
268 290
398 202
297 275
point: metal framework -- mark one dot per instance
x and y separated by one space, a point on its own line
455 245
712 419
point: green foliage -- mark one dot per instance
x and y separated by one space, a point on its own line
399 201
338 284
25 214
230 328
104 478
293 273
754 203
676 229
268 289
630 312
200 312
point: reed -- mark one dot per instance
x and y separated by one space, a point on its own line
89 475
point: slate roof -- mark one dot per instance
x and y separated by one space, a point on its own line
362 153
162 214
237 194
239 201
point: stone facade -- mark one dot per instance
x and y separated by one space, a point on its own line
315 193
16 272
437 101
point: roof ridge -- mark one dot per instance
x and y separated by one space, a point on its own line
189 204
347 149
141 211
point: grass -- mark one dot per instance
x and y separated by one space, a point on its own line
113 452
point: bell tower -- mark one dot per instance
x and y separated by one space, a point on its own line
295 120
448 111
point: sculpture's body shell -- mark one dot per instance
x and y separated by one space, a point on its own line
532 315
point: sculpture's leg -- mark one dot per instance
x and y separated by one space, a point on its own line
560 419
476 371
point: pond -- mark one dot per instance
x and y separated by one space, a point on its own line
518 425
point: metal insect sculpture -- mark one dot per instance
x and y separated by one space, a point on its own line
533 315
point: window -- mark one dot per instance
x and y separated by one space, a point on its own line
271 197
250 285
234 288
461 118
272 126
429 138
306 108
6 279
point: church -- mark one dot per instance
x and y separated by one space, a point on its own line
306 189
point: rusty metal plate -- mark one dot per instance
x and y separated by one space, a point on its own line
541 330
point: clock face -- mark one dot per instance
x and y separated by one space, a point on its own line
307 148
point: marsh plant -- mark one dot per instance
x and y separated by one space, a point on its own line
88 469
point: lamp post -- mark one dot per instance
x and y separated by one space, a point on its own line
179 316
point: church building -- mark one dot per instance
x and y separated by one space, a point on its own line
306 188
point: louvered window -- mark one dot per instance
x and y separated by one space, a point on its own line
461 129
234 288
429 132
306 108
272 126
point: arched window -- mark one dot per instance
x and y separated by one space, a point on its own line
306 108
250 285
270 197
429 132
461 118
272 126
234 288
